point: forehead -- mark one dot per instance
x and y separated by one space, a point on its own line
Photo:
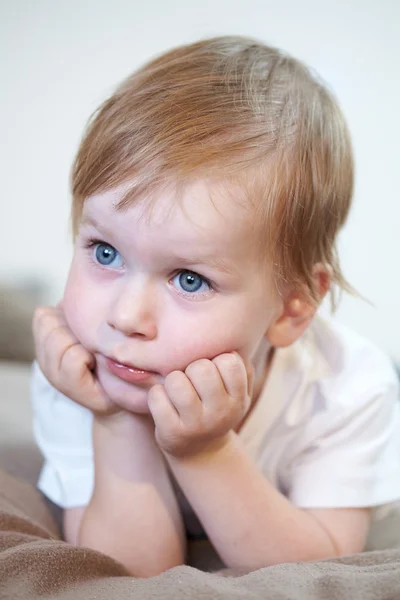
211 216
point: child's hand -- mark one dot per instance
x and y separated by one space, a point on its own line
65 362
194 410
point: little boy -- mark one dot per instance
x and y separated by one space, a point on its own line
185 364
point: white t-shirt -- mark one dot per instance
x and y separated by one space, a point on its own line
325 430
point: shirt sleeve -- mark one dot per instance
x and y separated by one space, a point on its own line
355 459
63 432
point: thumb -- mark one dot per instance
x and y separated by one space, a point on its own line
250 377
91 393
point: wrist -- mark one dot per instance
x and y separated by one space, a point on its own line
124 446
124 423
208 452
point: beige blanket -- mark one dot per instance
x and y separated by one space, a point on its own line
35 564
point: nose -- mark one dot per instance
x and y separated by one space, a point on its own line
133 312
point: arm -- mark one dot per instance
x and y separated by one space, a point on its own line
250 523
133 514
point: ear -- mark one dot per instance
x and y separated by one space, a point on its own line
298 310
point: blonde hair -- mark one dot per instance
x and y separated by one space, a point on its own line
233 106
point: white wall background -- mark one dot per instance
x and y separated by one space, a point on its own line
59 59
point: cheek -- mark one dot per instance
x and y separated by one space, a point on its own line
81 311
208 335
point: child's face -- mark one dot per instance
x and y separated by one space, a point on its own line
159 289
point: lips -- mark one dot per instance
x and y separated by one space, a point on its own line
129 373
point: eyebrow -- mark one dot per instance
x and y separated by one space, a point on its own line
89 220
213 262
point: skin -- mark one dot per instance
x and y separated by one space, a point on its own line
208 351
137 310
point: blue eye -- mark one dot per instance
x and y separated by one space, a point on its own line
107 256
191 282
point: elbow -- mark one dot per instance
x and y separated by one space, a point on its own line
143 554
155 559
139 565
155 566
252 561
138 560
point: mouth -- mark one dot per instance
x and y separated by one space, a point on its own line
129 373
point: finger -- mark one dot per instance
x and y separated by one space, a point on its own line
51 334
162 410
65 362
250 377
76 366
206 380
54 339
184 398
45 321
45 317
233 374
40 325
57 342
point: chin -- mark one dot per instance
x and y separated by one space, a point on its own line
126 395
